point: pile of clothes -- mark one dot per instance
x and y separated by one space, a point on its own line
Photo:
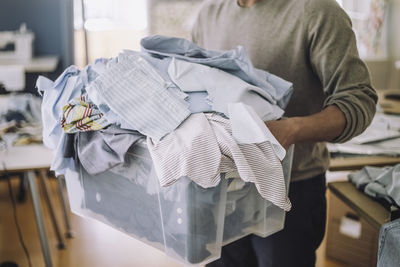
201 112
20 119
381 183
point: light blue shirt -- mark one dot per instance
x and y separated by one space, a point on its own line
235 62
55 95
70 84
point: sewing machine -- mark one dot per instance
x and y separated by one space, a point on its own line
16 58
16 45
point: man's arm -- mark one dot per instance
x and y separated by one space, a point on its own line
325 125
344 76
350 103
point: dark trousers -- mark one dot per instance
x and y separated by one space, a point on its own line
295 245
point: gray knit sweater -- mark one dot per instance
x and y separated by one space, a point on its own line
307 42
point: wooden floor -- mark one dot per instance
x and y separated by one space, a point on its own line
94 244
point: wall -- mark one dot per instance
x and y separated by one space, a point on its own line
384 75
394 31
50 20
394 42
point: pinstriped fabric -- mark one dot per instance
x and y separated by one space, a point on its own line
256 163
203 147
139 95
191 150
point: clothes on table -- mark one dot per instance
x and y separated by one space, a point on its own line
380 183
20 107
20 119
235 62
203 147
389 244
81 115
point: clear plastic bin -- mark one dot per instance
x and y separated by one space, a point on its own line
187 222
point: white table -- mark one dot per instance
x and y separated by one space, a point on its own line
12 72
28 160
37 64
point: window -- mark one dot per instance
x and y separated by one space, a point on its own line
114 25
369 18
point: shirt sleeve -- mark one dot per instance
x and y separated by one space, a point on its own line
334 58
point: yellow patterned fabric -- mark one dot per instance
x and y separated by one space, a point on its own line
81 116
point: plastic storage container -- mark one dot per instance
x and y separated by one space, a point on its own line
187 222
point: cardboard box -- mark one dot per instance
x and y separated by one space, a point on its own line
350 239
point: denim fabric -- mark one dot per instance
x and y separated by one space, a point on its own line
382 183
389 245
235 62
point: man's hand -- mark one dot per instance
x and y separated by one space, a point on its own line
320 127
285 131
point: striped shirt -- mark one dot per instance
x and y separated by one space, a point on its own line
203 147
134 90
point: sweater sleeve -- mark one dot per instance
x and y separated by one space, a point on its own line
334 58
196 30
194 34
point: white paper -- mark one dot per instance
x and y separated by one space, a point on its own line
13 77
350 227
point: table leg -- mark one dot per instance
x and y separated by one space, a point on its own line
22 187
39 218
43 177
60 181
